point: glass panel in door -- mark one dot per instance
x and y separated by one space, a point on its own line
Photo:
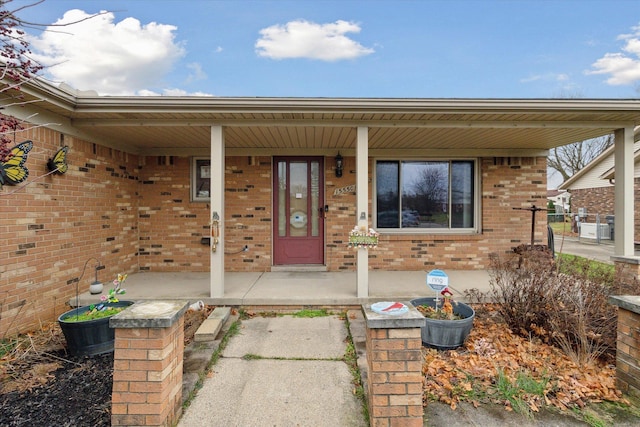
298 201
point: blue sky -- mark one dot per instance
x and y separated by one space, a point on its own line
425 49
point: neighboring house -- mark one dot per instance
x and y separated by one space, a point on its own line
561 200
593 191
151 179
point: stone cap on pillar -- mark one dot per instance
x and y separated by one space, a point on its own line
412 318
150 314
628 302
625 259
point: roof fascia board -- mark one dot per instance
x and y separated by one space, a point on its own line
46 92
67 97
37 117
358 104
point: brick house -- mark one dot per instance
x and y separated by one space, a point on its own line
437 178
592 189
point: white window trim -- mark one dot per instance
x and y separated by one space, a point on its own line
193 191
477 198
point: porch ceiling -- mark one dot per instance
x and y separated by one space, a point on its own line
181 125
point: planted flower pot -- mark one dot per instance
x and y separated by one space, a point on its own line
89 337
444 334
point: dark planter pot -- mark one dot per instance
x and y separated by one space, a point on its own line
446 334
91 337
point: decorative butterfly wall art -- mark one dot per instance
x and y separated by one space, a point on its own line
13 171
58 163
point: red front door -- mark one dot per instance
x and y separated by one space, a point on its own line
298 206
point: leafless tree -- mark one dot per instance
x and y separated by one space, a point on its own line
569 159
17 66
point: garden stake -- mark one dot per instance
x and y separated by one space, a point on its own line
533 210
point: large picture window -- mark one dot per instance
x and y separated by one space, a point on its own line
200 179
425 194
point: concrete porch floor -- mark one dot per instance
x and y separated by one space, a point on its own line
290 287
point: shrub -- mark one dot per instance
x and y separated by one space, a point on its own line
564 303
519 287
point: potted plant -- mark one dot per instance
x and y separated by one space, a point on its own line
448 323
86 329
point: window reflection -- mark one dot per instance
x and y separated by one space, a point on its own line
425 194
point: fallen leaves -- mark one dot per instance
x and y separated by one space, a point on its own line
471 372
192 321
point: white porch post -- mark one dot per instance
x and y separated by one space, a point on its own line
217 206
362 206
624 200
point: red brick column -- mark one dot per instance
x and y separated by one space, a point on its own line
628 345
148 359
394 359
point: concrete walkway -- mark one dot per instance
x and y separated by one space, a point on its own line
587 248
280 371
287 371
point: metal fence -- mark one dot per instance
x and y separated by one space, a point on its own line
596 227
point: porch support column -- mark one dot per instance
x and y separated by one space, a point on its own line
362 206
624 199
217 207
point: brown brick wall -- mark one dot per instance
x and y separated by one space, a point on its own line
504 186
248 219
53 225
597 201
248 213
171 226
602 201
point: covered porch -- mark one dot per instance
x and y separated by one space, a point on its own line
503 140
292 288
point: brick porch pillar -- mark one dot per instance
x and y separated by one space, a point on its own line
148 359
627 268
394 359
628 344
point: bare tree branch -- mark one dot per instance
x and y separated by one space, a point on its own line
569 159
17 66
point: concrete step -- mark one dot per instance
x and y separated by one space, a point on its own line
209 329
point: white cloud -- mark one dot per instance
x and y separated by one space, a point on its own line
110 58
196 72
180 92
558 77
622 67
304 39
171 92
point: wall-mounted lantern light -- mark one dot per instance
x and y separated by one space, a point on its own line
338 165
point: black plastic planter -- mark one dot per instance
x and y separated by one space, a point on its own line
91 337
446 334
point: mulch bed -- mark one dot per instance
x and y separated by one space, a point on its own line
41 385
